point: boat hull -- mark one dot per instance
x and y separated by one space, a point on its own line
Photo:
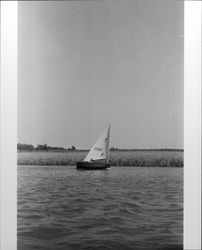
84 165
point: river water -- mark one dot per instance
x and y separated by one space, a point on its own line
61 208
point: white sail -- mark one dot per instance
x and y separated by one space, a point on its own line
100 150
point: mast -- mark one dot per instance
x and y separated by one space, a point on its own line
108 138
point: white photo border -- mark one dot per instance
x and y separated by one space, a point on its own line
192 124
8 126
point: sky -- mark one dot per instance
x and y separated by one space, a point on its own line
85 64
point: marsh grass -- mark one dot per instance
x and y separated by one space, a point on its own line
117 158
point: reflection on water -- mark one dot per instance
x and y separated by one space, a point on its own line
121 208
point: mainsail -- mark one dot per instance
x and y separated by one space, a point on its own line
100 150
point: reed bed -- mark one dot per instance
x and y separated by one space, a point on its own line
117 158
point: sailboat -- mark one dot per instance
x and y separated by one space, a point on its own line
98 156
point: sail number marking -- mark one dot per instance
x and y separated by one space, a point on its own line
98 149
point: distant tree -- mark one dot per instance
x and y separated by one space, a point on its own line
72 148
114 149
45 147
41 147
25 147
31 148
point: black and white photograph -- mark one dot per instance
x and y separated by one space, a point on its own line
100 125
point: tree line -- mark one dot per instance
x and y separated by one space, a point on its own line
45 147
41 147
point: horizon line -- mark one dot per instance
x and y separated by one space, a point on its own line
112 147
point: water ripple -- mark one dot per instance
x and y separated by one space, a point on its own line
60 208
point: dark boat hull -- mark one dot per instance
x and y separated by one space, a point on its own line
84 165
